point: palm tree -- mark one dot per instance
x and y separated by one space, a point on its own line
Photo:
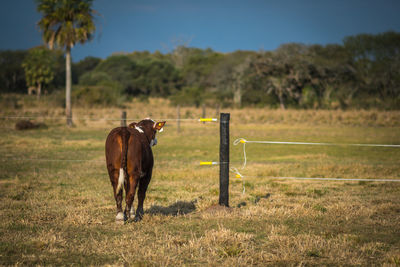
64 23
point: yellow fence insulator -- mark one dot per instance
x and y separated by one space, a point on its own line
207 119
208 163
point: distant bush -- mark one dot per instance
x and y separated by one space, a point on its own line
253 97
188 96
309 98
84 66
28 125
107 93
57 98
9 101
94 78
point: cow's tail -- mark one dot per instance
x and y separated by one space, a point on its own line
121 179
122 171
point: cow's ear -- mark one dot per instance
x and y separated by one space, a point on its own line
159 126
132 125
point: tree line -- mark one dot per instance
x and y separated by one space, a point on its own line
362 72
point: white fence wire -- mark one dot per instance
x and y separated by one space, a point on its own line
244 142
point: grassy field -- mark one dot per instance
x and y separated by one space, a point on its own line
62 212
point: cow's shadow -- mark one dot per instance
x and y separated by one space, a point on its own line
178 208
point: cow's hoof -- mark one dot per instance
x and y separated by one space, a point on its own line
137 218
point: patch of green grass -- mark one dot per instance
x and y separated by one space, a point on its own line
320 208
313 253
294 194
317 192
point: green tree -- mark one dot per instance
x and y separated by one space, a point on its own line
198 66
282 72
12 78
59 70
39 68
376 59
159 78
333 82
84 66
65 23
229 74
121 69
143 77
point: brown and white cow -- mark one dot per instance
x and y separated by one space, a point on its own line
130 163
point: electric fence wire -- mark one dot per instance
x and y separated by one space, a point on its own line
244 141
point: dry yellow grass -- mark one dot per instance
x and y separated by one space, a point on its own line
62 213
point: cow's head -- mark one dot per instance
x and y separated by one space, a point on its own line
149 128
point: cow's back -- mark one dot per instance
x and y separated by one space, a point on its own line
139 156
114 147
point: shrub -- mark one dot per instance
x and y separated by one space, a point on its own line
188 96
107 93
94 78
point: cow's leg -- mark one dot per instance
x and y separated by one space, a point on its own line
114 174
132 211
143 184
130 194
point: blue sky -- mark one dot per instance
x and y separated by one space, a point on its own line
225 26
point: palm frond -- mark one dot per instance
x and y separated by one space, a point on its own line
66 22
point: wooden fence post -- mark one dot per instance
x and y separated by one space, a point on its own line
123 118
224 160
